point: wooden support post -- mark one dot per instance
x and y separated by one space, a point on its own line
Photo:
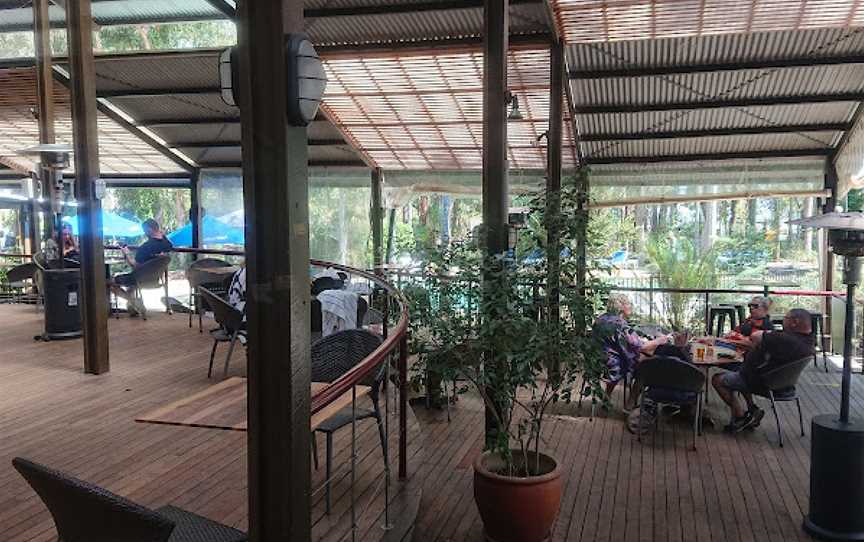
93 296
391 229
45 93
196 214
495 189
377 218
583 188
276 198
553 187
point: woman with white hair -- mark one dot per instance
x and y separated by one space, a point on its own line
622 345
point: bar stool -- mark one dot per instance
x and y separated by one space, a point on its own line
817 322
720 313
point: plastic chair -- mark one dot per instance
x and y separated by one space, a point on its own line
151 275
84 512
231 326
332 357
197 279
779 386
668 373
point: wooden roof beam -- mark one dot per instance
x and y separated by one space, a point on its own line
747 130
710 157
715 104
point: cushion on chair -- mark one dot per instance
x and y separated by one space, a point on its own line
194 528
343 418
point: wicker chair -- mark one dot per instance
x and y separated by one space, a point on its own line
197 280
779 386
668 373
332 357
84 512
231 326
151 275
20 278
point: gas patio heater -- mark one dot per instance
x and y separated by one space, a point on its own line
837 446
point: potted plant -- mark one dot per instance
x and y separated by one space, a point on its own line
520 363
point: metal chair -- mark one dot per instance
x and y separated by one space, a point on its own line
21 277
668 373
779 386
151 275
231 326
197 279
84 512
332 357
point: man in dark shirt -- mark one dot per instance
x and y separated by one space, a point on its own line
771 350
156 245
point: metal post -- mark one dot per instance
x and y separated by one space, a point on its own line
828 207
851 276
93 296
553 188
377 216
651 298
275 193
45 89
403 408
495 190
707 313
196 214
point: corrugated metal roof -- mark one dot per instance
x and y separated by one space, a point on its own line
613 20
711 145
17 15
717 49
120 151
720 118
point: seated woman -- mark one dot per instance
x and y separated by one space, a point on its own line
622 345
70 245
759 320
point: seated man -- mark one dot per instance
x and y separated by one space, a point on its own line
156 245
771 350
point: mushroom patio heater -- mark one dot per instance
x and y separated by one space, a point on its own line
837 446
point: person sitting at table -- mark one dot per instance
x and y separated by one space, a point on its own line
70 245
622 345
237 290
759 320
155 245
771 350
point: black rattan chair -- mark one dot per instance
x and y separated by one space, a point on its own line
21 278
231 326
84 512
197 280
151 275
779 386
668 373
332 357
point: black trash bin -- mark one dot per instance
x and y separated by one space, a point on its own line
62 307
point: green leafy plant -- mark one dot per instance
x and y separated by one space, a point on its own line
485 319
680 265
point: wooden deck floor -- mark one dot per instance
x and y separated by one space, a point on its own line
731 488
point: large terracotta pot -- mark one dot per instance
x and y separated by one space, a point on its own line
516 509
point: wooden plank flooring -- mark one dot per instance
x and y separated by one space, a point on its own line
84 425
731 488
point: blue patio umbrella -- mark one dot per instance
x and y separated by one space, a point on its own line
113 225
215 232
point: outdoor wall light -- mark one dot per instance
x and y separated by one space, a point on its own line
304 76
837 442
513 102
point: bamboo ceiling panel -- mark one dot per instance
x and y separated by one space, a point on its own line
119 150
613 20
425 111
